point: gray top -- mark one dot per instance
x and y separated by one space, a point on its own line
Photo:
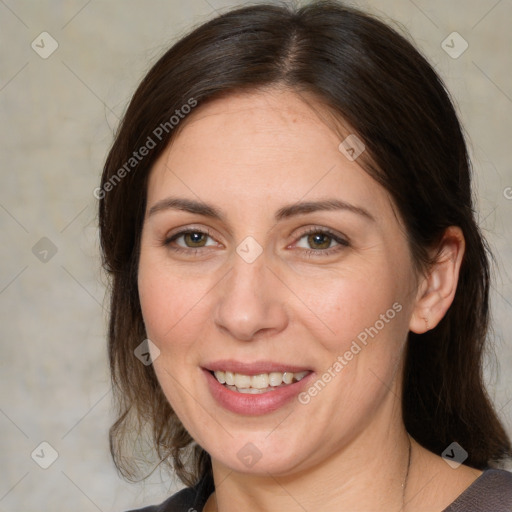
490 492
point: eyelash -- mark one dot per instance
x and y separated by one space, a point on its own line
188 250
342 242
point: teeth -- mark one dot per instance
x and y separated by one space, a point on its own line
256 383
259 381
242 381
300 375
275 378
221 377
247 391
287 377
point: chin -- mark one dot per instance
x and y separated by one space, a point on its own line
258 455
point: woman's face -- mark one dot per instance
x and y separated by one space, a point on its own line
268 255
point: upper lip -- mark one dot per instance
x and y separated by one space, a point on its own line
253 368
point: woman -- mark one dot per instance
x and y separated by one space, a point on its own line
299 288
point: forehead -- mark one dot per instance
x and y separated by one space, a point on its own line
264 146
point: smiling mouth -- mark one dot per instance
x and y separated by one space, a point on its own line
256 384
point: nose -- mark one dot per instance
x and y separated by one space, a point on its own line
250 303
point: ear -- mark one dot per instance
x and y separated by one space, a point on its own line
437 289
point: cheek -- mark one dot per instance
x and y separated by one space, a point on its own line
362 347
173 314
345 307
170 303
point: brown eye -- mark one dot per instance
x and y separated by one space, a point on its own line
195 239
190 240
319 241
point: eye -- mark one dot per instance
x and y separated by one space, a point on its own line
320 241
191 239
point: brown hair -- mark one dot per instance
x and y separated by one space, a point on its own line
372 78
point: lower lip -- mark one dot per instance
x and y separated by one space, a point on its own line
254 405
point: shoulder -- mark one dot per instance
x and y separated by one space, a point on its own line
190 499
492 490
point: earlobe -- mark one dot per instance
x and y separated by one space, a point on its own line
436 290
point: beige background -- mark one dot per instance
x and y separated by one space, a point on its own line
57 118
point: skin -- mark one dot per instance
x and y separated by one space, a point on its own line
249 155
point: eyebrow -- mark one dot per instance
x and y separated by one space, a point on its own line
326 205
302 208
186 205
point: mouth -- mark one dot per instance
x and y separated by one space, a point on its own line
255 388
259 383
